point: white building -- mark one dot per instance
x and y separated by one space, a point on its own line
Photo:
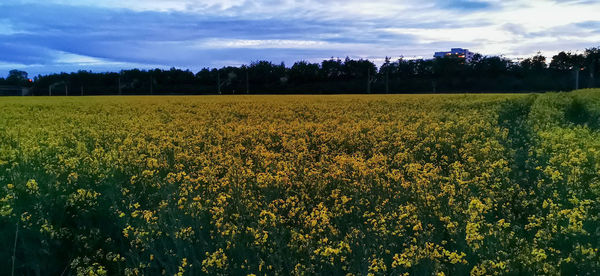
459 52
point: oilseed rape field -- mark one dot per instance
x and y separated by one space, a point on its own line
480 184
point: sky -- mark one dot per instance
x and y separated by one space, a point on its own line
48 36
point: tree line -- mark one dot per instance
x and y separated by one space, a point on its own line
565 71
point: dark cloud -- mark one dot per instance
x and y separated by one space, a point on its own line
39 36
166 38
15 52
581 29
592 25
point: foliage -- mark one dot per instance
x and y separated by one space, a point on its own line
443 184
440 75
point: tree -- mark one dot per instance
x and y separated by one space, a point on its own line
535 63
205 77
332 69
567 61
592 61
303 72
561 61
17 77
385 68
264 74
490 66
225 77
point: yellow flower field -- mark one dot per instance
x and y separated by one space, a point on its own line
275 185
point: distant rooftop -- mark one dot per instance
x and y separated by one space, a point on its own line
459 52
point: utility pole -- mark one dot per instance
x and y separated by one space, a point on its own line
368 81
592 68
151 88
119 84
82 90
219 82
387 81
247 83
51 86
576 78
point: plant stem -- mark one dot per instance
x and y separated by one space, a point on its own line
14 256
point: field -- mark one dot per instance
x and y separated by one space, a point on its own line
362 184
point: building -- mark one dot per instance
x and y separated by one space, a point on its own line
459 52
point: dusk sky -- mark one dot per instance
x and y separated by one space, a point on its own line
49 36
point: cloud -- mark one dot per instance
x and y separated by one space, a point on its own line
465 4
196 33
175 38
591 25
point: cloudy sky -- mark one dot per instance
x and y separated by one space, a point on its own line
45 36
